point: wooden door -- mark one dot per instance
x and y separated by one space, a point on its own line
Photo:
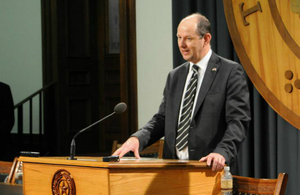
82 46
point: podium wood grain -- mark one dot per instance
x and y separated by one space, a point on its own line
129 176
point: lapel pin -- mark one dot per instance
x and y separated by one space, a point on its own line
214 69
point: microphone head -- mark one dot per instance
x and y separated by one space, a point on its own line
120 108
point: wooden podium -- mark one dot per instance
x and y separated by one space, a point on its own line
91 176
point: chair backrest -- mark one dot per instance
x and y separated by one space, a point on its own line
249 185
16 173
155 149
7 169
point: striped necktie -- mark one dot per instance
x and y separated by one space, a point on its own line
186 111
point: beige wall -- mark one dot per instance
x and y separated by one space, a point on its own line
21 51
154 54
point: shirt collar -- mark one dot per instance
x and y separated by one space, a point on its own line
202 64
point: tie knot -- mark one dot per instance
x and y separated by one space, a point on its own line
195 68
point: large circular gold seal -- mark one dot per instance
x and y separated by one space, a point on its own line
265 34
63 183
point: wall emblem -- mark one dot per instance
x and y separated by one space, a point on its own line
63 183
265 34
295 6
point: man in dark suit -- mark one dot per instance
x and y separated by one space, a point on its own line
7 119
220 114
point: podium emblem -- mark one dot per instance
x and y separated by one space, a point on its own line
63 183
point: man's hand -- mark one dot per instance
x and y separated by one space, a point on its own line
132 144
215 160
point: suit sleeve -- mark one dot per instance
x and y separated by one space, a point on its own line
154 129
237 115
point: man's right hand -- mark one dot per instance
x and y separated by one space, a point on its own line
132 144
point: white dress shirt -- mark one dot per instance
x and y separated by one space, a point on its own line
202 64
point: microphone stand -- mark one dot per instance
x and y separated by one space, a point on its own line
73 145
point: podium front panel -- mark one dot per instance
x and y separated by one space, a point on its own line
166 181
89 175
39 179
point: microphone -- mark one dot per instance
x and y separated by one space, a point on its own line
119 108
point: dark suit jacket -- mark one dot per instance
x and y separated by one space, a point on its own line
221 116
7 119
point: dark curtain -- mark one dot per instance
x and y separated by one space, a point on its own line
272 145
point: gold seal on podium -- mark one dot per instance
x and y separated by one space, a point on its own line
63 183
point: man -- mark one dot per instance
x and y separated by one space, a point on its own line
207 119
7 119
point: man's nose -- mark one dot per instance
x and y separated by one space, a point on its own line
182 43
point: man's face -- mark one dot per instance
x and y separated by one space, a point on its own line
191 45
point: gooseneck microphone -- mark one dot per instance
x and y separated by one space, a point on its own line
119 108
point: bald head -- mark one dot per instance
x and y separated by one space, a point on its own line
202 24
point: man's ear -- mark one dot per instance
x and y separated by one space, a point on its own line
207 38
